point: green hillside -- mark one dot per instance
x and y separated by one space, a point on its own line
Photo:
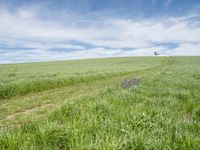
112 103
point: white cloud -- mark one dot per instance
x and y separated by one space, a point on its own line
109 36
185 49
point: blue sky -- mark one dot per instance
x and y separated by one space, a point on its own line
43 30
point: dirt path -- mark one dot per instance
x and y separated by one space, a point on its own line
28 111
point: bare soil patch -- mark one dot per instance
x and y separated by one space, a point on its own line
130 82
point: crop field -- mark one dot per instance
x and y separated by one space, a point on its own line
111 103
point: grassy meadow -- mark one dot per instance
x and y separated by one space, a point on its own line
81 104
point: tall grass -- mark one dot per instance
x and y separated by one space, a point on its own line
21 79
162 112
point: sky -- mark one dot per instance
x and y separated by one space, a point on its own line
48 30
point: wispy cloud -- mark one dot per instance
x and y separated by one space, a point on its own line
89 37
168 2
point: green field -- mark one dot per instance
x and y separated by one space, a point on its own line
81 104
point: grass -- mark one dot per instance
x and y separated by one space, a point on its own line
161 112
21 79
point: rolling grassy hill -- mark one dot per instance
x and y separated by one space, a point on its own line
81 104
